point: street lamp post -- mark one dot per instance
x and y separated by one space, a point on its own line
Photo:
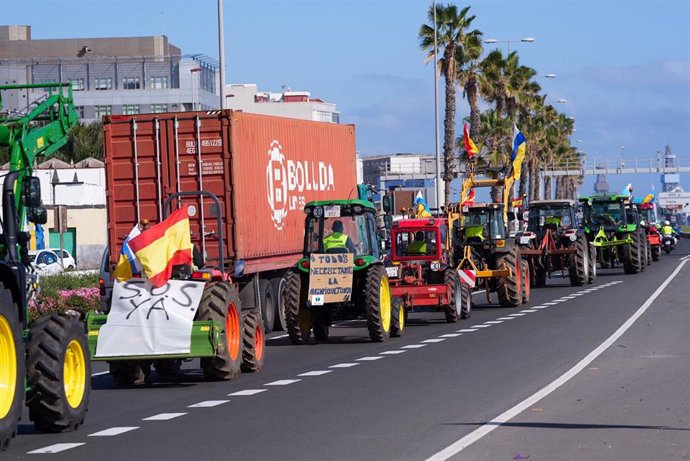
523 40
192 71
436 116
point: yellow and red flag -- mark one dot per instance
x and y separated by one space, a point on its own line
163 246
470 148
469 201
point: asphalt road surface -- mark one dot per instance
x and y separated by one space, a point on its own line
600 372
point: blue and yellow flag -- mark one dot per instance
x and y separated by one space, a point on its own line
519 149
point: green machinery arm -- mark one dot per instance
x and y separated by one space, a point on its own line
40 132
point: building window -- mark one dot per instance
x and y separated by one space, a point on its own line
336 117
130 83
104 83
77 84
159 83
130 109
80 111
322 116
159 108
103 110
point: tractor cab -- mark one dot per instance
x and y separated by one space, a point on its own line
556 215
481 225
607 212
419 239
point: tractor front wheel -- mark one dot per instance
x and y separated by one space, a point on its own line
526 285
656 252
466 301
221 302
454 307
254 342
632 260
377 303
297 316
398 317
58 373
592 263
510 288
12 370
578 270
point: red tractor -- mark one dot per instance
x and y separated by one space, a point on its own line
421 274
648 220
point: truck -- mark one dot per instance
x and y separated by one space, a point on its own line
554 241
245 179
44 362
422 274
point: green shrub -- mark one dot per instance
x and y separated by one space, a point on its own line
59 293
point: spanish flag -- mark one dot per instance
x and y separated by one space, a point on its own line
470 148
519 149
163 246
469 201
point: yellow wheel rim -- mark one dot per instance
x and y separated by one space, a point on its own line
8 373
385 303
401 316
74 374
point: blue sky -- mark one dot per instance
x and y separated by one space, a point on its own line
622 65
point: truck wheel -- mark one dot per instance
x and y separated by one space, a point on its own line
509 289
656 252
377 303
398 317
454 306
297 317
12 371
129 372
268 308
466 301
321 323
578 270
221 302
58 373
253 342
526 285
592 263
278 285
632 260
169 368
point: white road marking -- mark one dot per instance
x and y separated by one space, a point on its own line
478 292
506 318
517 315
493 322
528 310
467 330
396 352
560 300
316 373
277 337
569 297
433 340
113 431
208 404
574 295
283 382
450 335
503 418
248 392
539 307
164 416
57 448
370 359
550 304
481 326
344 365
99 373
414 346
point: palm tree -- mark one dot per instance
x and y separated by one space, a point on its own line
494 134
452 36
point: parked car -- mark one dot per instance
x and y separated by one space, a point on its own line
68 261
45 262
105 282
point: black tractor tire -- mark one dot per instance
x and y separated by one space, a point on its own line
656 252
466 311
278 285
643 252
578 270
453 309
592 263
168 368
220 302
129 372
509 289
649 252
539 277
12 378
58 373
526 282
268 308
253 342
377 303
321 323
632 260
398 317
297 316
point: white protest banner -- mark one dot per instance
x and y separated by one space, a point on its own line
330 278
149 321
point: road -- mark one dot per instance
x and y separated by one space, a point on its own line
598 372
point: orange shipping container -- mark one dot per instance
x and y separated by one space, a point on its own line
263 170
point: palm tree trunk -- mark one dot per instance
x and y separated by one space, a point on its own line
449 135
547 188
473 101
535 179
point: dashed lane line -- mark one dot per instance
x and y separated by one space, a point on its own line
283 382
370 359
481 326
494 322
395 352
247 392
208 404
316 373
433 340
113 431
56 448
467 330
517 315
450 335
164 416
529 310
414 346
344 365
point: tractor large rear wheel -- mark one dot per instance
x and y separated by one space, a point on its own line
253 342
454 307
377 303
221 302
510 288
632 261
58 373
297 316
12 369
578 270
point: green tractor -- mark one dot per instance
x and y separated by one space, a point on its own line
612 225
340 275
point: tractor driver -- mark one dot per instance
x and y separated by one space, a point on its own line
418 245
337 242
